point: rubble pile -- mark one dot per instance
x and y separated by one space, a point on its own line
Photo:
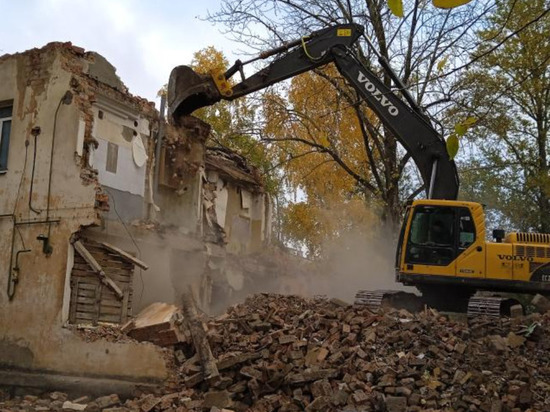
291 353
288 353
103 332
157 323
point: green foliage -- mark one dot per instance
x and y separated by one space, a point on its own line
460 130
508 92
452 145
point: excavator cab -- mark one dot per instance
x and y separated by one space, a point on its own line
435 233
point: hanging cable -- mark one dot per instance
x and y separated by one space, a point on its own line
66 99
35 132
312 58
13 272
111 197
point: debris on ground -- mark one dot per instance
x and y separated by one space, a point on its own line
102 331
159 323
288 353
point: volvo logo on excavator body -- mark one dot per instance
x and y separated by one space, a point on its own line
515 257
377 94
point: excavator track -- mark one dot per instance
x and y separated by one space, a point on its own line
376 299
372 299
492 306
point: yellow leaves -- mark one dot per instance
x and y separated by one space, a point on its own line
449 4
396 7
317 115
323 140
452 146
460 130
442 63
208 59
317 223
462 127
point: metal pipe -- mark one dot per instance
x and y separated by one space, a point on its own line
35 132
11 284
160 135
66 99
37 222
11 281
432 179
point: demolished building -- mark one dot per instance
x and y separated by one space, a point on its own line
104 209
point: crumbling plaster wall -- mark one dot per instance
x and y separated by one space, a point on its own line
168 239
245 216
182 159
241 206
32 336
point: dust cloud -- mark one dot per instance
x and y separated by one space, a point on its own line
360 259
357 262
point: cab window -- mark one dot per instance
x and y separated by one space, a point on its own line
438 234
467 231
431 239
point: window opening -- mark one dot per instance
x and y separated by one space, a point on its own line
5 131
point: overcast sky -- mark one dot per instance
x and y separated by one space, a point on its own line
143 39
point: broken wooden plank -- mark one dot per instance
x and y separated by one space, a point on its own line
230 361
200 340
124 313
125 255
159 323
74 297
87 256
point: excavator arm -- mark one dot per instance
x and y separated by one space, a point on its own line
188 91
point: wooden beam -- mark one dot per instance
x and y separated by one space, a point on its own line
200 340
74 301
125 255
124 313
87 256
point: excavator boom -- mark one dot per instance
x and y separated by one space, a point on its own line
188 91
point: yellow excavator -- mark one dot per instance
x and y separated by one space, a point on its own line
442 248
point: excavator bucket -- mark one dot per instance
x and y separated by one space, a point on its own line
189 91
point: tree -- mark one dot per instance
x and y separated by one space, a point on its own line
508 90
322 155
340 142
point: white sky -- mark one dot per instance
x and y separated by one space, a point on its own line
143 39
